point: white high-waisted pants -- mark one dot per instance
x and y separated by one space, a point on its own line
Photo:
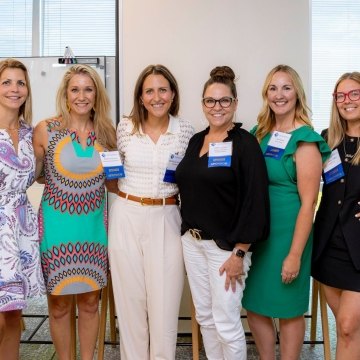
217 310
147 270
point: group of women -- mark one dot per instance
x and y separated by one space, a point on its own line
242 223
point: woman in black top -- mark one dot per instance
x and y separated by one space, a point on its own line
224 207
336 252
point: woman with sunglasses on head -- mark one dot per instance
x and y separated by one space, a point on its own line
278 285
145 253
336 253
224 207
20 267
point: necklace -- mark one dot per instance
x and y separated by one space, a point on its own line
348 156
10 128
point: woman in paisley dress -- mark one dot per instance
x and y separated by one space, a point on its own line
20 269
72 215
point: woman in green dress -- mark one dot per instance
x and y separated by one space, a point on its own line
279 280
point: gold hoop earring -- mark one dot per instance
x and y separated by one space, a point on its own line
68 107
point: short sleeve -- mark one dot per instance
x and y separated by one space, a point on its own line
303 134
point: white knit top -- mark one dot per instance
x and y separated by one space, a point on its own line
145 162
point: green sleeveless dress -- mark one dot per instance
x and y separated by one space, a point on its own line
265 293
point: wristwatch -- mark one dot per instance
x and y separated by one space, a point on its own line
239 253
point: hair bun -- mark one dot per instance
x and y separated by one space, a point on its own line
223 72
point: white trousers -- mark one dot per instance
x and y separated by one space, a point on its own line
147 271
217 310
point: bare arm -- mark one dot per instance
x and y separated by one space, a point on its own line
40 147
112 185
308 167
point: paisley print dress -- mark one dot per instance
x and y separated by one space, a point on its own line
20 270
72 215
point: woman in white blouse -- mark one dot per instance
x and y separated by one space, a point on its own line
144 227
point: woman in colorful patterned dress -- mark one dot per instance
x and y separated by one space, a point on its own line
20 269
72 216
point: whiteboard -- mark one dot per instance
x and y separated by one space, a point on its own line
46 74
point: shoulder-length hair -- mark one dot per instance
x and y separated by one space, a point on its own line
25 110
100 114
139 113
266 117
338 126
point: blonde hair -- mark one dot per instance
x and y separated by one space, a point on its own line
103 126
337 127
266 117
25 109
138 112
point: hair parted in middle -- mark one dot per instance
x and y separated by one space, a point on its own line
338 126
222 75
139 113
100 114
266 117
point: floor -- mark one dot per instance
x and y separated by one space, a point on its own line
40 347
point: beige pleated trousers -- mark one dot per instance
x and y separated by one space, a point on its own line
147 270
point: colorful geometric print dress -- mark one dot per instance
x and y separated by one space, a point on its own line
72 215
20 269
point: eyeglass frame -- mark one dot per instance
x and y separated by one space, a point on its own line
345 95
218 101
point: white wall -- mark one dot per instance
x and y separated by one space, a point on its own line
192 36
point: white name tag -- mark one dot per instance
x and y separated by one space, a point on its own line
112 164
174 161
277 144
220 154
333 169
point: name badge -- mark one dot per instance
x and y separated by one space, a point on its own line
277 144
333 169
112 164
220 154
174 161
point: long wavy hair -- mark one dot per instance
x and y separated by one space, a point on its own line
266 117
100 114
139 113
25 110
338 125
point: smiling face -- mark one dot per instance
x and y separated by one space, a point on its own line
349 109
13 89
81 95
281 95
157 96
219 117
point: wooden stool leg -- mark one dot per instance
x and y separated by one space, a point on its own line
102 330
73 329
314 311
112 313
22 324
195 331
324 324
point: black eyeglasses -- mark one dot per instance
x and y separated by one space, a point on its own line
353 95
224 102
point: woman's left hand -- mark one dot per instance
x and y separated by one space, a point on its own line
234 268
290 269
